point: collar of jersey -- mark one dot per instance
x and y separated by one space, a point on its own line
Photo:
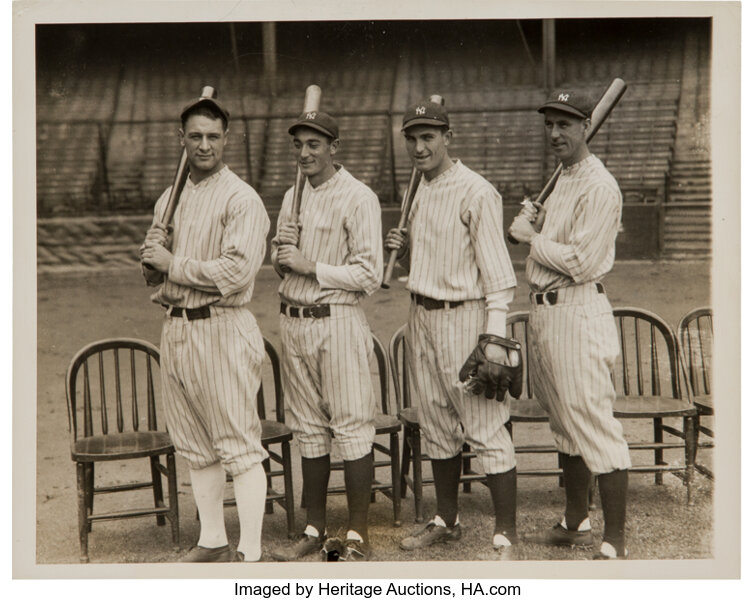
578 166
211 178
445 174
330 182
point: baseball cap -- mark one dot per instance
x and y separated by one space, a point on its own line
210 103
574 103
426 113
317 120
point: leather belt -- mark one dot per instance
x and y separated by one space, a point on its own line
201 312
551 298
433 304
308 312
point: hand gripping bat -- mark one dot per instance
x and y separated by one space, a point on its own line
600 112
179 179
406 205
311 104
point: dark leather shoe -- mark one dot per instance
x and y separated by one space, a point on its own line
333 550
199 554
431 534
559 536
303 546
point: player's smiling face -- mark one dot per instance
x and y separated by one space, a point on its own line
314 153
567 136
204 139
427 146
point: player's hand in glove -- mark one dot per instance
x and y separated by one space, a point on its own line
494 366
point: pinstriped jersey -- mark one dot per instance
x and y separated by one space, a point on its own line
341 227
578 238
220 229
456 235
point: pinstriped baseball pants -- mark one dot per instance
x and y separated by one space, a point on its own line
438 343
574 347
327 382
210 372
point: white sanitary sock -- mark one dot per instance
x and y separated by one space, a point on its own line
251 490
207 486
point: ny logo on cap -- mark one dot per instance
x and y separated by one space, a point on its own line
311 115
421 110
563 97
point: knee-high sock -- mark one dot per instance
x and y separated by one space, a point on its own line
613 497
358 476
577 488
447 474
503 492
315 476
207 485
250 489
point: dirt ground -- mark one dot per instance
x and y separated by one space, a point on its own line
79 307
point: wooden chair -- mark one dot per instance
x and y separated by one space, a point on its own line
276 439
648 386
112 415
411 454
695 334
386 424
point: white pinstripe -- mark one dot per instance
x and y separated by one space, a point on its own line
211 367
457 253
575 342
326 361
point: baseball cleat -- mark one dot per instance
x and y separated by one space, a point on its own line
355 550
199 554
306 544
560 536
432 533
608 552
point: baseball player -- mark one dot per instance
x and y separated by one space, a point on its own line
461 282
211 347
333 258
573 335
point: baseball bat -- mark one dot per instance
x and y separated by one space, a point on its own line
406 204
600 112
182 173
311 103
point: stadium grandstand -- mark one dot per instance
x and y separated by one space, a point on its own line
108 96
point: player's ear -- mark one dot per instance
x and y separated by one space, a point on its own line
334 146
586 124
447 135
181 136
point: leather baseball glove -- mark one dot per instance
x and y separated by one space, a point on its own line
494 367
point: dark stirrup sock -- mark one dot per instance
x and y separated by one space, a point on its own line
447 475
358 475
315 476
577 487
613 497
503 492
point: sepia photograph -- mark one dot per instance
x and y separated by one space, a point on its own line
375 286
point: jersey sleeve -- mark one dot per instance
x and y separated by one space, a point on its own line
592 238
284 216
241 253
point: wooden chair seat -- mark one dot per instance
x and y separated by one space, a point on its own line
274 432
704 404
527 410
630 407
386 424
409 416
117 446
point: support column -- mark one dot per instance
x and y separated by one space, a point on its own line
269 57
549 54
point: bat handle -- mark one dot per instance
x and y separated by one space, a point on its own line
386 284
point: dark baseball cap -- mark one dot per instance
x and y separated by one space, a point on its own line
426 113
210 103
320 121
574 103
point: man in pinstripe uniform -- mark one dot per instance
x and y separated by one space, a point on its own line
334 258
211 347
461 282
573 335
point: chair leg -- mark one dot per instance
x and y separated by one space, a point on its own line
690 451
81 485
374 479
591 495
395 480
170 462
658 438
416 444
466 468
89 467
157 488
268 478
406 455
288 489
